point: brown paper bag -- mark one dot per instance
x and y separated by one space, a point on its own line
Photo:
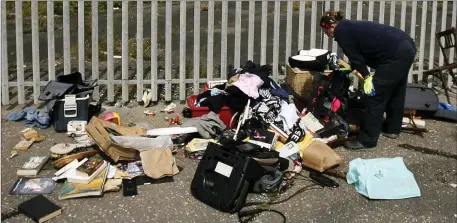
319 156
158 163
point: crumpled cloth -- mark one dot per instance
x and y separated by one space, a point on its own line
249 84
383 178
33 118
208 125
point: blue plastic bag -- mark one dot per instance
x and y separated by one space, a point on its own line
383 178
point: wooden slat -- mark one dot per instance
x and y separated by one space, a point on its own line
182 50
95 66
251 30
277 16
224 40
413 34
51 40
422 40
431 52
139 50
312 41
19 53
196 47
392 13
358 17
382 9
453 21
359 10
324 37
236 62
263 30
154 50
110 51
301 26
370 10
66 38
125 50
334 43
168 19
4 56
443 27
403 15
210 42
348 16
288 30
35 52
81 45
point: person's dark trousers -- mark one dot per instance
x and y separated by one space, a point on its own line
389 82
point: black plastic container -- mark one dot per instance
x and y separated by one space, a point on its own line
69 109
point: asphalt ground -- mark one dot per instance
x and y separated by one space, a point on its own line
433 163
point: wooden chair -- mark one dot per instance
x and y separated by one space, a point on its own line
450 38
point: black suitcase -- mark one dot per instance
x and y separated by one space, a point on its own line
224 178
421 98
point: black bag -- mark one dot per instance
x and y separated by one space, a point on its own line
223 178
421 98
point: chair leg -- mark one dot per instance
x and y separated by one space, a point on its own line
454 79
444 87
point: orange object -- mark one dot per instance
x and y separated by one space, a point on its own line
111 117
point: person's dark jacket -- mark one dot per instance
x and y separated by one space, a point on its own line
367 43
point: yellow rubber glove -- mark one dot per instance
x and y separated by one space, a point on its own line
368 87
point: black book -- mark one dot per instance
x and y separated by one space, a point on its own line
40 209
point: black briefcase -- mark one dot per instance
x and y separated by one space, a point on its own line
223 178
421 98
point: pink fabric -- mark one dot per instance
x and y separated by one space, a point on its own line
249 84
336 104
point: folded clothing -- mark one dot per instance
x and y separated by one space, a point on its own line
208 125
32 117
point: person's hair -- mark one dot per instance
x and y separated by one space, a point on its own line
331 17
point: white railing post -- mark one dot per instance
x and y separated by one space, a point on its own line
35 53
263 30
139 50
5 86
182 51
110 51
19 53
224 19
95 67
66 38
154 50
168 18
51 40
81 44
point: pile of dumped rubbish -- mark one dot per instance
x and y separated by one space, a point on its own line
251 135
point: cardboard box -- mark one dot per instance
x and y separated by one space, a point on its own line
98 129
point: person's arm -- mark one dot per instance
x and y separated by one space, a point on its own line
349 46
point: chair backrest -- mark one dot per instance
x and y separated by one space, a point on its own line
450 38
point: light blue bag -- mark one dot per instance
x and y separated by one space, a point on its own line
383 178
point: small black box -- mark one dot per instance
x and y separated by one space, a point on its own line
71 108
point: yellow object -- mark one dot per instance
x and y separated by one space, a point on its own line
278 145
368 85
305 143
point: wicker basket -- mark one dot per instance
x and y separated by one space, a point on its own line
300 80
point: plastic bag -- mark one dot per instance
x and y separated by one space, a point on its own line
143 143
383 178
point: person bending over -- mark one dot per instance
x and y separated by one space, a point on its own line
388 50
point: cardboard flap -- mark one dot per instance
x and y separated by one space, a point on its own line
124 131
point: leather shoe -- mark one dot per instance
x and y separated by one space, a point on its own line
390 136
353 144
